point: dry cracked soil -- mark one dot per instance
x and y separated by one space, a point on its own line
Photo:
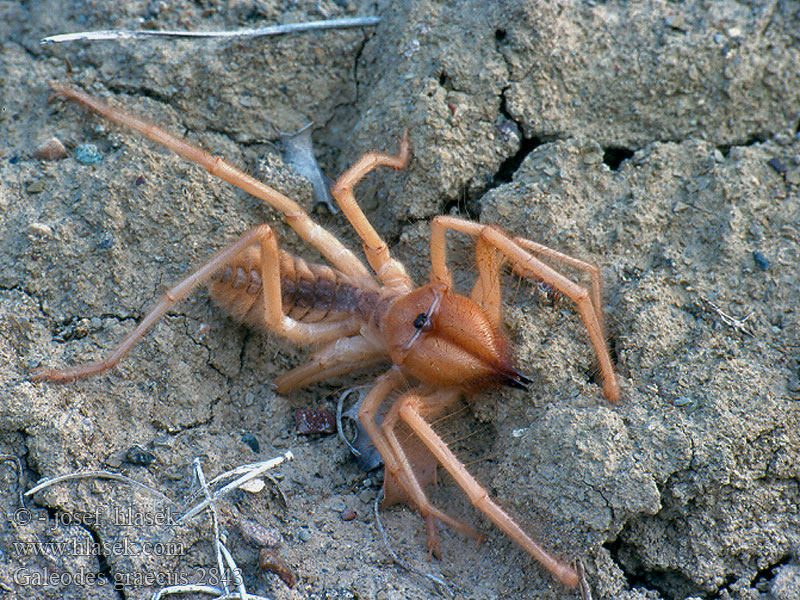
658 140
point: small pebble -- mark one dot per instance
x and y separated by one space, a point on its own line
35 187
51 149
258 535
105 243
762 262
593 156
311 420
682 401
251 441
138 456
305 535
88 154
776 164
41 229
347 514
337 505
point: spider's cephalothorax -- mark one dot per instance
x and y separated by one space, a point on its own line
445 339
439 343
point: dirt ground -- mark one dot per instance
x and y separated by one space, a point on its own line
659 140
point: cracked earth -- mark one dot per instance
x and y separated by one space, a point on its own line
659 140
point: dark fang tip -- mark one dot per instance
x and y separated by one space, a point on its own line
516 380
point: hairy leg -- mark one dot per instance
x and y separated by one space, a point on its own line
330 247
486 291
389 271
338 357
176 293
409 413
429 512
592 270
274 319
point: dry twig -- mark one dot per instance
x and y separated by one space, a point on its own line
120 34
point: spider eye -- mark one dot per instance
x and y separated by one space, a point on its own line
421 320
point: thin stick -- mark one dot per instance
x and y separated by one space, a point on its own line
95 475
235 571
253 471
201 480
121 34
202 589
730 321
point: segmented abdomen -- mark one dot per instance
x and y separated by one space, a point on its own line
309 292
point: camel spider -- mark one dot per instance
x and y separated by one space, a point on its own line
444 342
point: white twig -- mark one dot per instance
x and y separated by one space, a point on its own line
730 321
120 34
202 589
250 472
235 572
95 475
201 480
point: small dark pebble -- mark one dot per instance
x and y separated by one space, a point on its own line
776 164
347 514
762 262
138 456
139 180
251 441
105 243
313 420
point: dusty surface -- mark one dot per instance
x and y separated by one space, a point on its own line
520 115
